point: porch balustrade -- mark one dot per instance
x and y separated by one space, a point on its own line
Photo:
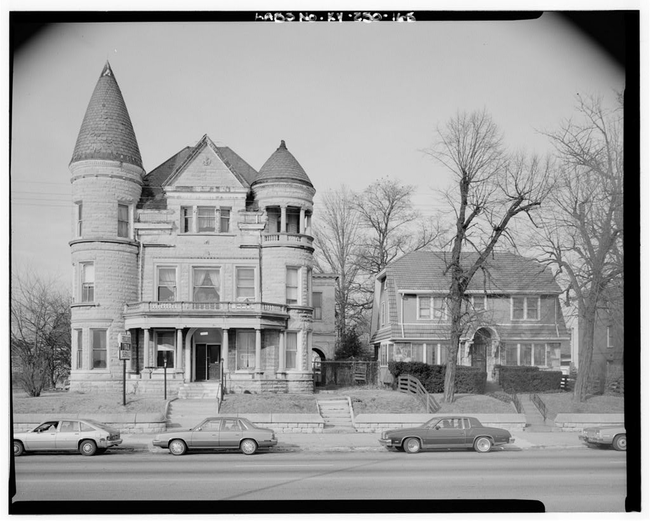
212 307
270 238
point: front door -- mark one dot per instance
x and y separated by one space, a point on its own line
478 349
208 358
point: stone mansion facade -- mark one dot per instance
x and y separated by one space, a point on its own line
202 268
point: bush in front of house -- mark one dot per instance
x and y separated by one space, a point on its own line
468 379
528 379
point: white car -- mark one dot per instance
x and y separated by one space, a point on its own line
87 437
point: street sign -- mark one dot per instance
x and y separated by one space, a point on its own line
125 354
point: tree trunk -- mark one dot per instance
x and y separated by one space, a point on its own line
455 310
587 317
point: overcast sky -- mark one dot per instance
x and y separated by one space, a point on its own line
353 101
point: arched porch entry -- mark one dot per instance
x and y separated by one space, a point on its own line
482 350
205 356
317 356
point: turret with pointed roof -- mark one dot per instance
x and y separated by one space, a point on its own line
106 131
282 166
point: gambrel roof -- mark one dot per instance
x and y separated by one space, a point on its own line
504 273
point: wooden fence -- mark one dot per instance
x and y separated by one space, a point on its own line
410 384
345 373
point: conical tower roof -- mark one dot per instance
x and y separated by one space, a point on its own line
282 166
106 131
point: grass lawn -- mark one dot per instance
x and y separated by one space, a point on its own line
365 399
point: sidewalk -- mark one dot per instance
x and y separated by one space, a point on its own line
367 442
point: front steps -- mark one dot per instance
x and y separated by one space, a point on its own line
336 414
199 390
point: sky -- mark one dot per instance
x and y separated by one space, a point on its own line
354 101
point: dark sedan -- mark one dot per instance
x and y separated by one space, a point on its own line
217 433
450 432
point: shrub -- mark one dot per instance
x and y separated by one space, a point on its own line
528 379
432 377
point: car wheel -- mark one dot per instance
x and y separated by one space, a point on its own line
620 442
88 447
482 444
177 447
18 448
248 446
411 445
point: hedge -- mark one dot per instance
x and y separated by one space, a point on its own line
468 379
527 379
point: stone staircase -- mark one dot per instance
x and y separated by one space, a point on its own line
199 390
336 414
534 419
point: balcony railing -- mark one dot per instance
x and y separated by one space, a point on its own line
208 307
270 238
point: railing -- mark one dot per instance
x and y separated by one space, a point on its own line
541 406
409 384
287 237
218 307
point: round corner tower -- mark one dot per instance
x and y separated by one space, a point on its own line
284 192
107 175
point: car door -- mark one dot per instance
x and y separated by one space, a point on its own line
447 433
68 436
206 436
42 437
231 434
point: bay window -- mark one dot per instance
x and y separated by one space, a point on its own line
87 282
292 285
98 337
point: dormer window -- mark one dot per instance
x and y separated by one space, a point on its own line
207 219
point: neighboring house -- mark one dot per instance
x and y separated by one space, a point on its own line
203 265
513 310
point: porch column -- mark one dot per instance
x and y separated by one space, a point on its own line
282 353
302 229
258 351
224 348
146 348
178 362
283 219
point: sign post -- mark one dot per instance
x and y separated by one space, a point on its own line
124 341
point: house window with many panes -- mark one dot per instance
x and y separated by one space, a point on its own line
525 308
166 284
245 284
98 338
291 351
87 282
123 221
431 307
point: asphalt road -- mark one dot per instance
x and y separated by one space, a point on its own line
563 480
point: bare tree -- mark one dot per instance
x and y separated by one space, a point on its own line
337 238
491 188
583 227
40 333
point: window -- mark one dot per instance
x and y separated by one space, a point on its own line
525 354
291 350
187 214
424 307
80 349
165 347
479 303
224 220
292 285
166 284
87 282
317 301
245 349
525 308
99 348
123 224
382 317
431 307
403 353
511 354
246 283
539 354
79 217
293 220
207 219
206 285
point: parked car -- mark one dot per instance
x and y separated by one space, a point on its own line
449 432
217 433
85 436
613 435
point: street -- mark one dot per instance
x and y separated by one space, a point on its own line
574 480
